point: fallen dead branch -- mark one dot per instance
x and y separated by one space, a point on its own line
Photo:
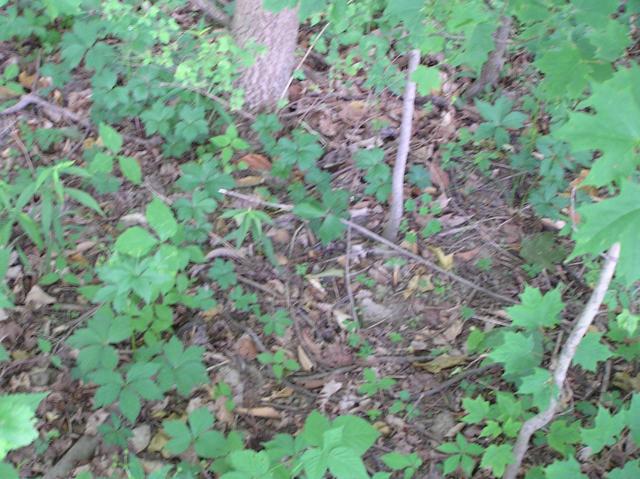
81 451
564 361
380 239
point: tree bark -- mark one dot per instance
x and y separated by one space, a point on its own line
265 82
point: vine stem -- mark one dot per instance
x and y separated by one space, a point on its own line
564 361
380 239
400 165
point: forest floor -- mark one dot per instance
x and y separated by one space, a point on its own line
415 321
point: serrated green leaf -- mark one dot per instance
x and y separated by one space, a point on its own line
564 469
634 418
614 129
357 433
427 79
135 242
631 470
562 435
477 410
110 137
536 310
606 430
345 463
161 219
591 351
130 169
609 221
516 353
496 458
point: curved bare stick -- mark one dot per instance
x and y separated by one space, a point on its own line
564 361
400 165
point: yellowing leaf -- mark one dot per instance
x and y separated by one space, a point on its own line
442 362
445 260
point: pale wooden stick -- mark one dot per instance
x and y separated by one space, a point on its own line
397 183
564 361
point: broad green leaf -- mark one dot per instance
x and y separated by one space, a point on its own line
256 464
135 242
7 471
566 71
562 435
110 137
631 470
516 353
614 128
4 355
84 199
211 445
314 463
591 351
161 219
606 430
308 211
17 420
358 434
200 420
540 385
537 311
634 418
427 79
477 410
129 403
564 470
179 434
496 458
609 221
130 169
314 428
31 229
345 463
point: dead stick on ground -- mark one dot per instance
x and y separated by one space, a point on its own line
347 277
494 64
400 165
81 451
33 99
380 239
564 361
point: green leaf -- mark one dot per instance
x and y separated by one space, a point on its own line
255 464
211 445
606 430
565 469
84 199
477 410
516 353
331 229
135 242
540 385
309 211
614 129
315 463
562 435
129 403
314 428
161 219
609 221
634 418
110 137
180 436
200 420
7 471
130 169
591 351
496 458
566 72
4 355
358 434
427 79
631 470
17 418
345 463
31 229
536 310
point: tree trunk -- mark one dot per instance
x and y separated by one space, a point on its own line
266 81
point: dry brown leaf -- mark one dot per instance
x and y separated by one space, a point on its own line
256 161
245 347
444 260
441 363
37 298
249 181
438 175
266 412
353 112
304 360
158 442
468 255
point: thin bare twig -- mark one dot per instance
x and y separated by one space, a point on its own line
380 239
304 59
400 165
347 278
81 451
564 361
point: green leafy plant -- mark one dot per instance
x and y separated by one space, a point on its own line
280 363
